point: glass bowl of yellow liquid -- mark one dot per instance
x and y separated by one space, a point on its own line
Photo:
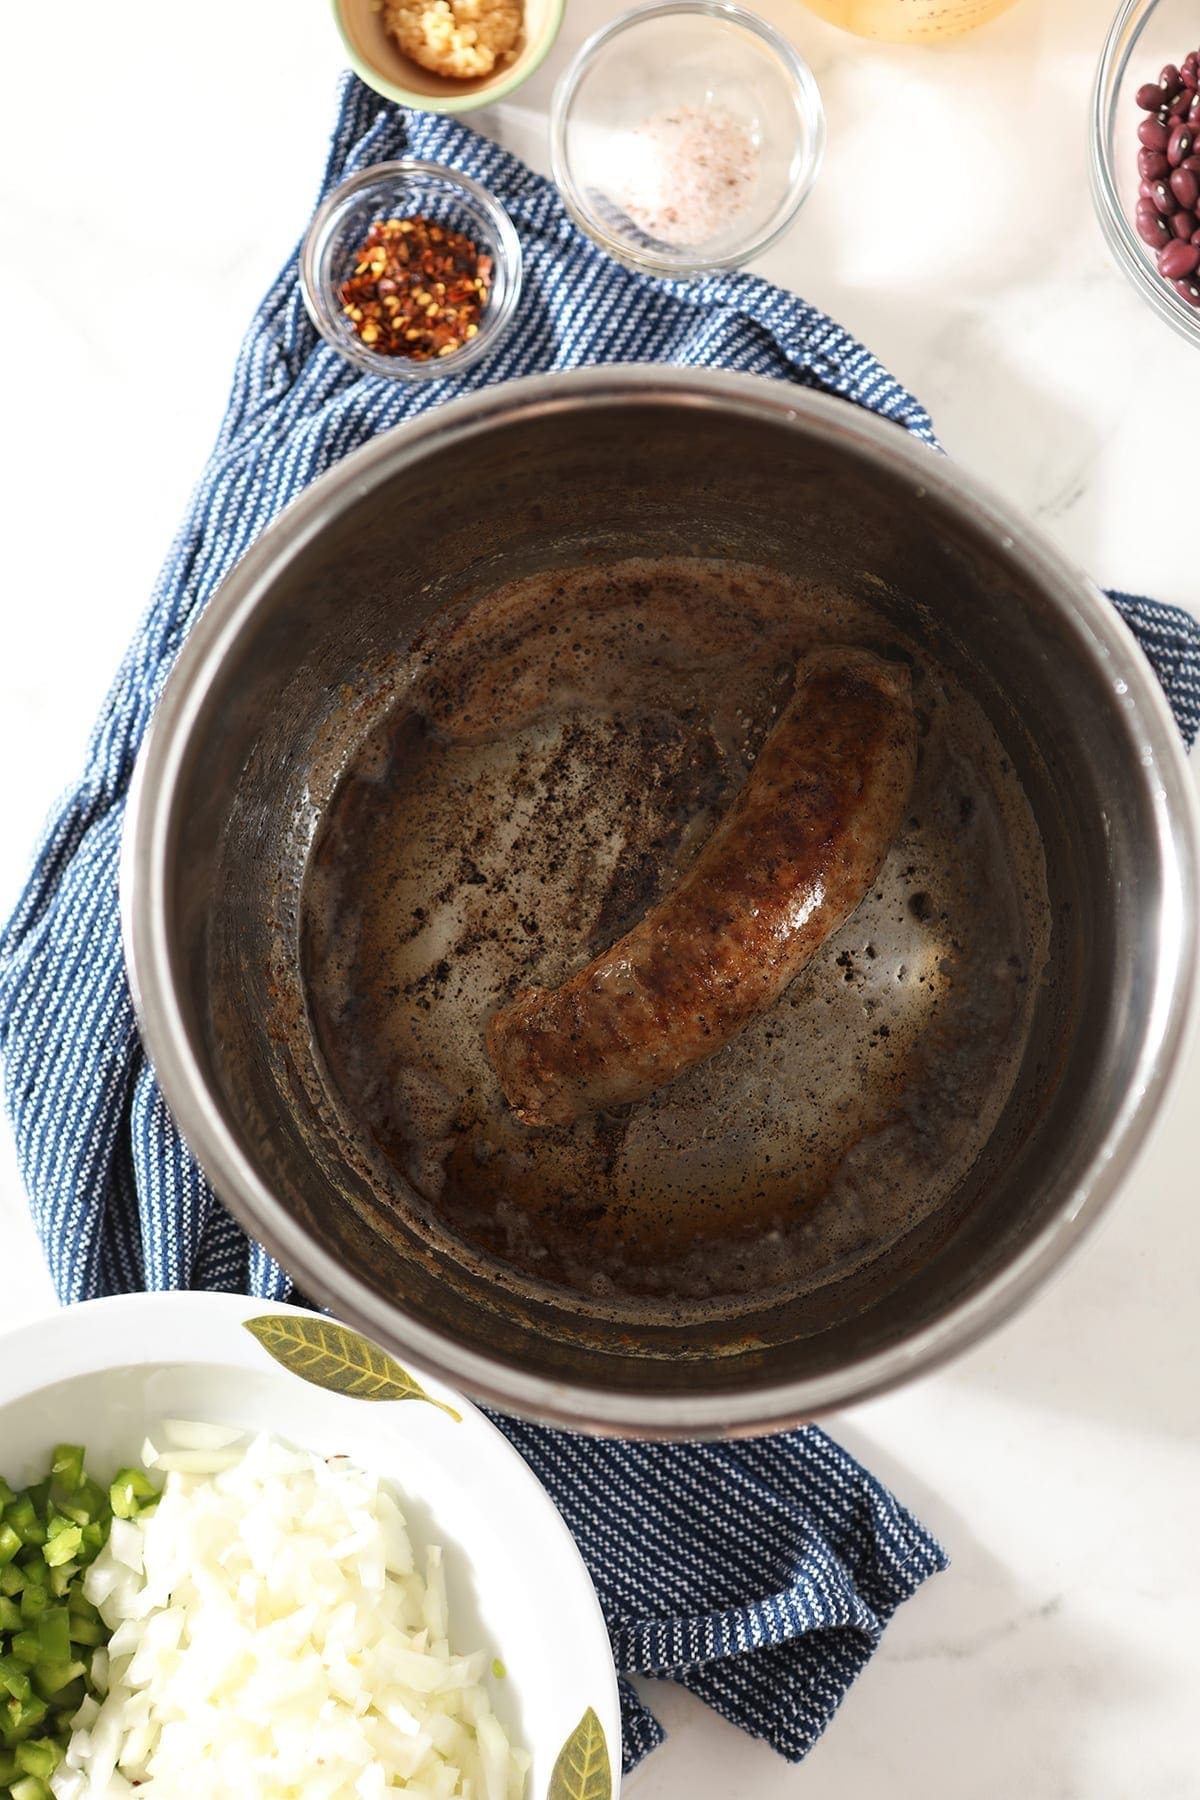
908 21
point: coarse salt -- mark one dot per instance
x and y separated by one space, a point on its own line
689 174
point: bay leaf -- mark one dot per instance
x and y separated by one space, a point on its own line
333 1357
583 1770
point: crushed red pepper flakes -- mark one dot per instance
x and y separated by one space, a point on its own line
418 289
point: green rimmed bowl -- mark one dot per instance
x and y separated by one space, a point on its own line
379 61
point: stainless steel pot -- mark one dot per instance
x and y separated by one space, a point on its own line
617 462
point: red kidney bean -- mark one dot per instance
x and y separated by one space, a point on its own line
1177 260
1151 228
1168 208
1185 187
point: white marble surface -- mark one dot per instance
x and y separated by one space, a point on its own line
158 165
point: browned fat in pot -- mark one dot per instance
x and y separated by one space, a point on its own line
561 753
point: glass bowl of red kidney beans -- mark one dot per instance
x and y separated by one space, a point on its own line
1145 161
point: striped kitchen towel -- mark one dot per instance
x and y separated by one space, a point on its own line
761 1575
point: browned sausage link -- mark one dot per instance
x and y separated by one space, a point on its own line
784 869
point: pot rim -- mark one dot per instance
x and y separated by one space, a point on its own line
1116 662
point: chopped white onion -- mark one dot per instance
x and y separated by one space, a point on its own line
270 1636
196 1462
191 1434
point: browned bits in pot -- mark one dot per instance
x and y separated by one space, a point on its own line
418 289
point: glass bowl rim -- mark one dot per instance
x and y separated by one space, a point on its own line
505 246
801 80
1118 233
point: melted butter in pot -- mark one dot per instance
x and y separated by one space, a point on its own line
561 753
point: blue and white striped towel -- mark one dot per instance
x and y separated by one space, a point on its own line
761 1575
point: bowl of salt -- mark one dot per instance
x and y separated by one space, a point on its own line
685 136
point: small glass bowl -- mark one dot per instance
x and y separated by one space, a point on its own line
1145 35
399 190
614 110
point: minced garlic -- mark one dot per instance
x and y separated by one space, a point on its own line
458 38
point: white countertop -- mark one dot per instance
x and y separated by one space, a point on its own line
159 164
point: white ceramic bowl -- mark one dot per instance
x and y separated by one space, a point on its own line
104 1373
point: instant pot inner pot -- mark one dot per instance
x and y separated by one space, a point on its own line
314 665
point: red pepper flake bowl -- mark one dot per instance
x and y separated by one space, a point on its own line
411 270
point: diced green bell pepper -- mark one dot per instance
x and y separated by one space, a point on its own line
31 1787
64 1546
14 1681
54 1635
39 1494
49 1631
39 1756
34 1601
22 1516
51 1678
129 1493
90 1632
95 1536
66 1470
25 1647
60 1579
19 1719
87 1504
32 1566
